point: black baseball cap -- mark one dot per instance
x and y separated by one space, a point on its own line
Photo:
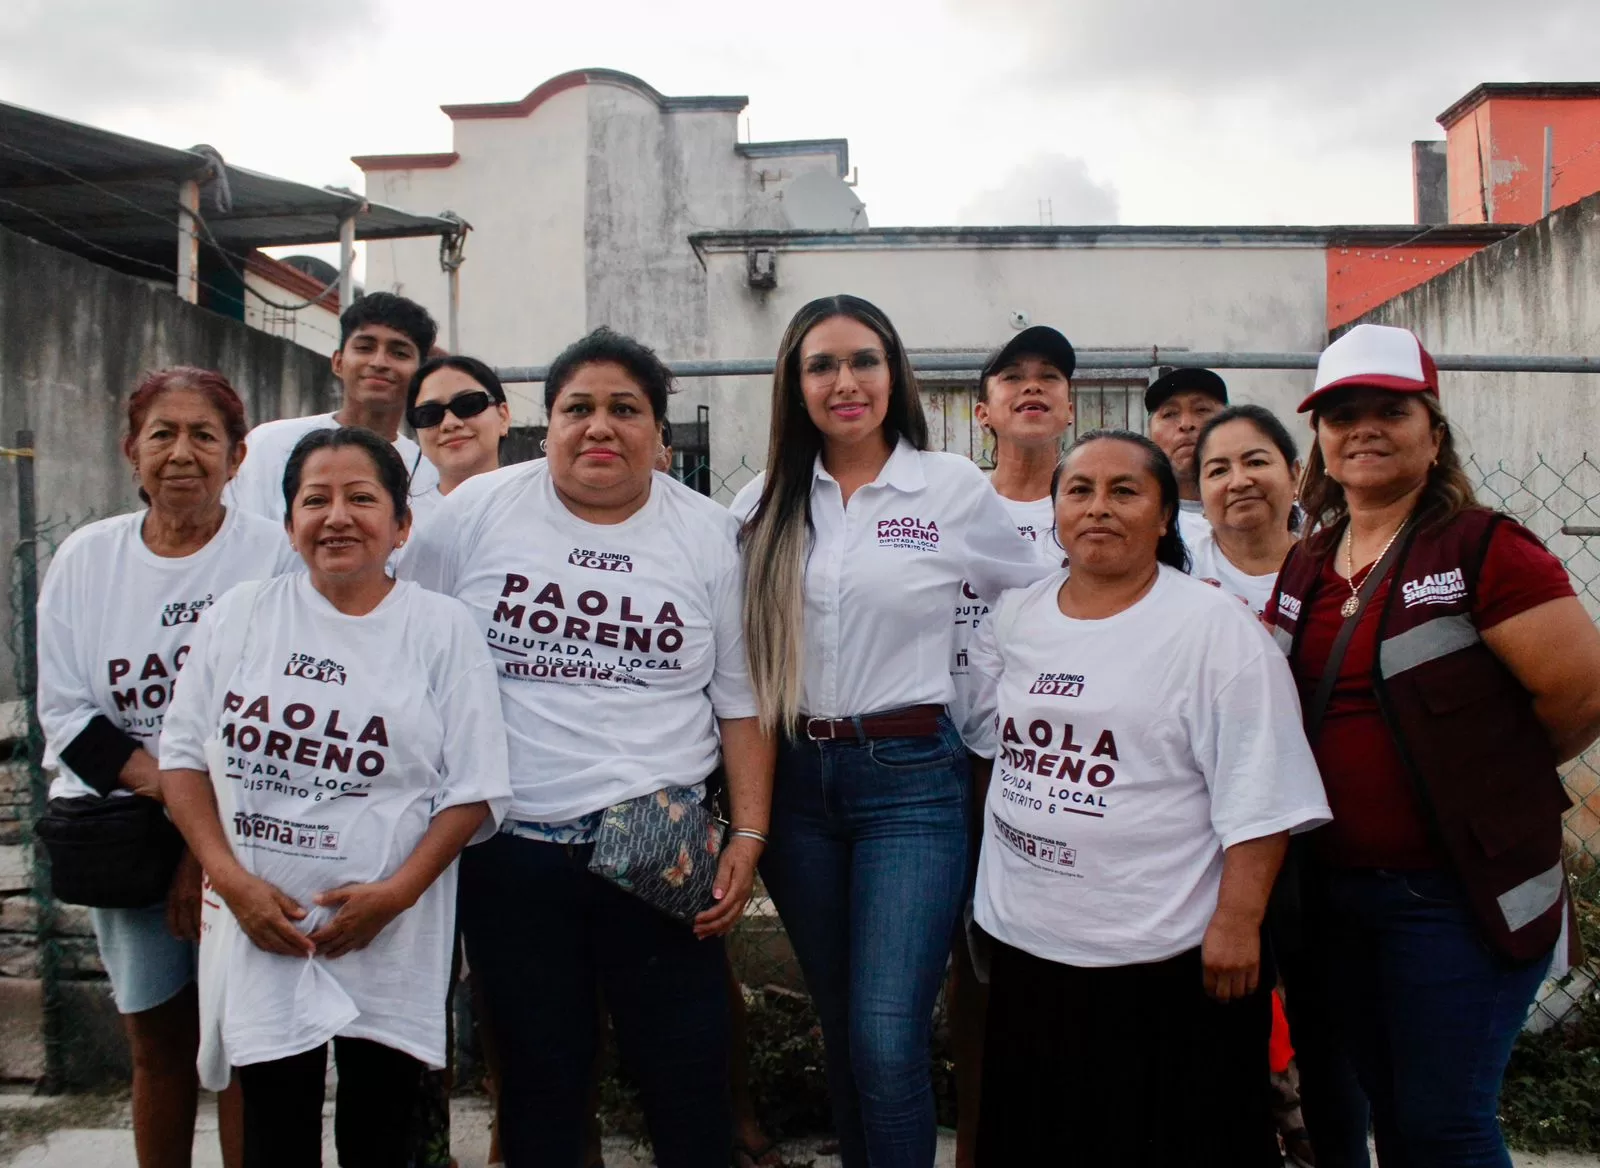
1038 341
1184 380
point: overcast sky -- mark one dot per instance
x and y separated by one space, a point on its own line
957 111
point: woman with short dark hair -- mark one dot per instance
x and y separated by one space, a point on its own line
359 747
609 594
1149 768
1248 468
1446 669
457 408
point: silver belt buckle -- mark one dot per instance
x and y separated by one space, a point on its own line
813 735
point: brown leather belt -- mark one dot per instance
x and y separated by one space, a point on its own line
906 722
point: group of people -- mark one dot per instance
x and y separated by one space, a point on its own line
1123 738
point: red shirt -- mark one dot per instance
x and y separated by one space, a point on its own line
1378 820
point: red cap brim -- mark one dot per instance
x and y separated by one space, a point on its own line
1369 381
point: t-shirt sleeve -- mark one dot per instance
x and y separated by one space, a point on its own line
1250 743
1518 573
730 691
475 767
258 487
432 556
190 719
997 555
66 702
983 684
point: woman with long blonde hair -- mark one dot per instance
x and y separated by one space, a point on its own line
856 539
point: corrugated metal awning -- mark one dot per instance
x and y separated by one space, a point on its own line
93 192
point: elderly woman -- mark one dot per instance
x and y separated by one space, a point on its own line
610 597
362 748
1447 670
1149 767
1248 467
116 619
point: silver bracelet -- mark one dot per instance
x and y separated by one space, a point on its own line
749 833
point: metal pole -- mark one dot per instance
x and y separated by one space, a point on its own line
455 308
1119 359
188 241
27 598
1549 154
347 263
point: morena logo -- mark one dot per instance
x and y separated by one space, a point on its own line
1058 685
1289 606
600 561
308 667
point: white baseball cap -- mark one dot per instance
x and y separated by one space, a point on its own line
1378 356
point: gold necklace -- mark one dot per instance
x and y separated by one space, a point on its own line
1353 604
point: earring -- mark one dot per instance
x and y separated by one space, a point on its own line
543 446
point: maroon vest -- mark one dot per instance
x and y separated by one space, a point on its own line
1483 764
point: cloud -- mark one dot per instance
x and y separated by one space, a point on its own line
88 56
1359 56
1048 188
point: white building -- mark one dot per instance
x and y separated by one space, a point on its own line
597 200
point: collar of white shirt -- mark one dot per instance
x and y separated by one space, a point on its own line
903 471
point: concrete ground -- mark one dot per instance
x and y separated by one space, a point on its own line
80 1132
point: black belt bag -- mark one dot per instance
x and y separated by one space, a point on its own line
109 851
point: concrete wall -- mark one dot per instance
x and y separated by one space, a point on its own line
1535 293
1245 297
582 210
74 339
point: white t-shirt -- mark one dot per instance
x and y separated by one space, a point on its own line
1035 520
1192 522
116 622
258 487
885 573
344 736
1209 563
618 646
1131 752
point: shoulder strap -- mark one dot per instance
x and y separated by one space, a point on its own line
231 643
1330 672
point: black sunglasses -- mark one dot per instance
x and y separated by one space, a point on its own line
463 405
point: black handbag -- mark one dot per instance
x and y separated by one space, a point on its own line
109 851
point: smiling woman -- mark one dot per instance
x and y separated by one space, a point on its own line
361 746
1149 767
120 606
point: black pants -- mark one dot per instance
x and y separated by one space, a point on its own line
1133 1066
378 1089
545 937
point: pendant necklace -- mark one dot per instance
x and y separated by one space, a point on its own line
1353 603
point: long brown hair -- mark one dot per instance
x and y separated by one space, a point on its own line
776 538
1447 493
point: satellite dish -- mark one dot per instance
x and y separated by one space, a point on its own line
819 201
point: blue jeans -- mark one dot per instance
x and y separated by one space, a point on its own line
1427 1013
867 867
545 937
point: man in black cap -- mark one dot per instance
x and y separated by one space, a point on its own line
1179 405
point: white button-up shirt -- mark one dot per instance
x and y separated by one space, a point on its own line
885 571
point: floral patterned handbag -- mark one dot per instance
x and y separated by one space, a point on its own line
663 848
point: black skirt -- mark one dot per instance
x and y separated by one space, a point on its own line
1130 1066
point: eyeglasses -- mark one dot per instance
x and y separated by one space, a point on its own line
463 405
864 364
